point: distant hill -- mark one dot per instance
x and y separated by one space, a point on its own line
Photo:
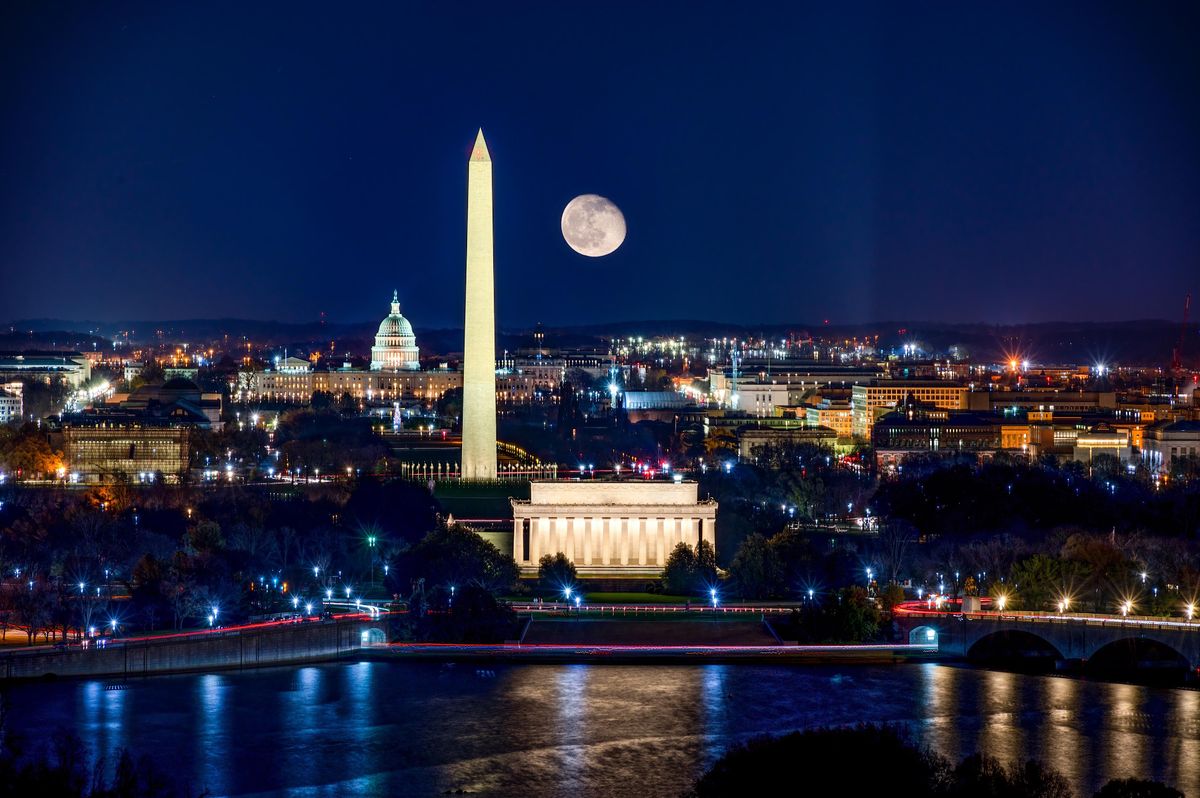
1141 342
53 340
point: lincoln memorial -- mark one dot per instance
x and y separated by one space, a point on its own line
610 528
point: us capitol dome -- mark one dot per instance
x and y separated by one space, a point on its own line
395 344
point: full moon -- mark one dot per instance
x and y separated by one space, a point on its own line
592 225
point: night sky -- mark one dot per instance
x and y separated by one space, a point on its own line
935 161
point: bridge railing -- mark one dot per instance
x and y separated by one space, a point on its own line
1082 618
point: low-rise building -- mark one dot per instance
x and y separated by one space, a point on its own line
72 367
141 436
11 403
1102 440
1166 442
919 427
869 402
297 385
1051 399
753 440
833 414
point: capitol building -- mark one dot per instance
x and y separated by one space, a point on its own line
395 373
395 344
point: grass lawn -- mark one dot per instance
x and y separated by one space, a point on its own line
637 598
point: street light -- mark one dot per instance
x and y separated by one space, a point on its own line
1190 610
567 593
1001 600
712 594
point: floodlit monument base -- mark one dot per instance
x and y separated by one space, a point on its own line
610 528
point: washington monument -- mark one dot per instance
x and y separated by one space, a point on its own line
479 348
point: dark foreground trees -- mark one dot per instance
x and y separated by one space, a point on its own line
64 769
894 765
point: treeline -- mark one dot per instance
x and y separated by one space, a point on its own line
153 556
63 769
881 760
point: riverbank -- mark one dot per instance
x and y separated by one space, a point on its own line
253 646
872 654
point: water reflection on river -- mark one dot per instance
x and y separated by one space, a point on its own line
579 730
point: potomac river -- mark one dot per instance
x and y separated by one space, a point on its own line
422 728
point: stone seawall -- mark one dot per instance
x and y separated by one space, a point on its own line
241 648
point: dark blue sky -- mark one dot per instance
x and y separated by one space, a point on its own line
793 162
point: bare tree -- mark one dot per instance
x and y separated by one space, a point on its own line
895 537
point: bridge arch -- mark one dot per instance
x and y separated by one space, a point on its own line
1143 657
1015 647
924 636
373 637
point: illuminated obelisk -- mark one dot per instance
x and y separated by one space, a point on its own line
479 348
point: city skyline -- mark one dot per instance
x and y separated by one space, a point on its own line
1000 174
625 400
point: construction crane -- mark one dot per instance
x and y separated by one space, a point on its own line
1177 353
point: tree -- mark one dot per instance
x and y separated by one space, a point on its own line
721 444
756 569
896 766
205 537
28 453
706 563
679 573
891 595
556 572
855 618
34 609
456 555
894 539
760 766
980 775
689 570
1037 581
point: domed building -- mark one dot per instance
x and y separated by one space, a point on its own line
395 344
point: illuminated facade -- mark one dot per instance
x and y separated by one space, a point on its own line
395 373
126 452
868 402
11 408
1167 442
395 344
752 441
298 387
1102 440
479 325
835 415
610 528
73 368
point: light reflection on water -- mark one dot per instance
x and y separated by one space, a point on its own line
578 730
